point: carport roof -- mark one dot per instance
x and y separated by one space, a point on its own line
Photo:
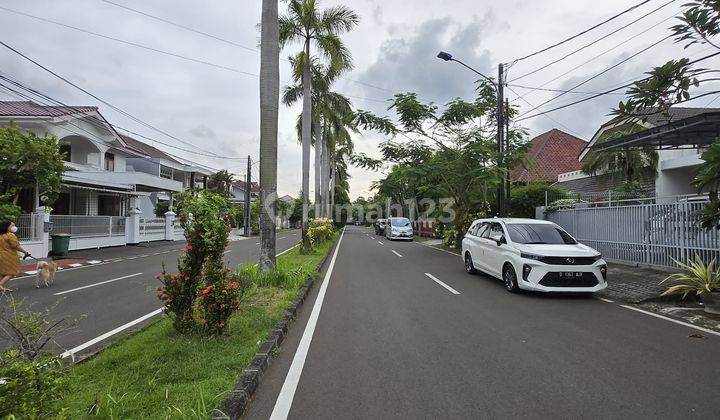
691 132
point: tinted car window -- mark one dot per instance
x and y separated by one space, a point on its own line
538 234
400 222
492 230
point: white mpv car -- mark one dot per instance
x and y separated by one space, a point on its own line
532 255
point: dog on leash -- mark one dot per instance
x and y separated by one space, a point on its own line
45 271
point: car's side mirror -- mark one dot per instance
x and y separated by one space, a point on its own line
499 239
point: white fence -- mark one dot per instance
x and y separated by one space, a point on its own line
643 232
27 227
91 231
152 229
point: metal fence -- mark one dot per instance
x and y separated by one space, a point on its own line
27 229
88 226
649 231
152 229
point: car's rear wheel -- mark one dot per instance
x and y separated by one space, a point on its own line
510 279
469 266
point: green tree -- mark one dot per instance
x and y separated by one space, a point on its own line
304 23
524 198
221 183
269 95
451 154
27 161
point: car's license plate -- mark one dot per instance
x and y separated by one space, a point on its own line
570 274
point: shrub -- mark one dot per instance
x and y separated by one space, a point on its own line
319 230
204 219
697 278
524 198
30 378
29 387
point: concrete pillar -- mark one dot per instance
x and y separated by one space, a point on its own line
540 212
42 215
170 225
132 227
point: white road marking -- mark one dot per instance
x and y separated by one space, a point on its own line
438 249
71 352
97 284
288 250
94 262
396 253
31 272
257 243
75 265
453 291
227 252
380 242
287 393
686 324
607 300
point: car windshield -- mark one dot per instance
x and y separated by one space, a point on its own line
400 222
536 233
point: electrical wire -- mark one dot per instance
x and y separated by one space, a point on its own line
627 85
543 67
600 54
598 74
557 44
551 118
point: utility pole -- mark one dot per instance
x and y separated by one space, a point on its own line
500 201
508 150
248 191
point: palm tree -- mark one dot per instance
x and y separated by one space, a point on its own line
627 165
269 98
307 25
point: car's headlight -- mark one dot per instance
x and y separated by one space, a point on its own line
532 257
597 257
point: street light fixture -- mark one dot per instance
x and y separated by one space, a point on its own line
501 147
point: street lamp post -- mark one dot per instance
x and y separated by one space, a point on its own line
500 202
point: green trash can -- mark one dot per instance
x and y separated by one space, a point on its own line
60 244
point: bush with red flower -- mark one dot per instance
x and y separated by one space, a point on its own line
203 292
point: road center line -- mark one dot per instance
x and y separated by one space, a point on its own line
287 393
97 284
453 291
380 242
396 253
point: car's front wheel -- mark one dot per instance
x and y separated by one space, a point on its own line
469 265
510 279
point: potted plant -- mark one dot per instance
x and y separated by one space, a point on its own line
699 278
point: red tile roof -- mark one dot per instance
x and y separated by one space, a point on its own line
146 149
31 109
551 153
254 186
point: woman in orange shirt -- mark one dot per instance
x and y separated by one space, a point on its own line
9 248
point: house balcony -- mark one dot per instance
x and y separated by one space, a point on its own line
140 181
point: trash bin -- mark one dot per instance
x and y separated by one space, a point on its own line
60 244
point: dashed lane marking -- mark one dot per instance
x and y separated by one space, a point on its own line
435 279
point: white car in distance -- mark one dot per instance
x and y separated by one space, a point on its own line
532 254
398 228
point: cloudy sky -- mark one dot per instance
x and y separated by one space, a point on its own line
214 105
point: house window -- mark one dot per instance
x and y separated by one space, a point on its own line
109 162
166 172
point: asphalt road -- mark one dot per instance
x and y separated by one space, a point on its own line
107 296
391 342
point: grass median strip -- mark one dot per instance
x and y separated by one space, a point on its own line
158 373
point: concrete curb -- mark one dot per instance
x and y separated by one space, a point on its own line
251 376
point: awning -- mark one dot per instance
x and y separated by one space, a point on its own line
105 190
688 133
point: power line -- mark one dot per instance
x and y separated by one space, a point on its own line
600 54
579 92
123 112
551 118
607 92
216 37
599 74
580 33
53 101
590 43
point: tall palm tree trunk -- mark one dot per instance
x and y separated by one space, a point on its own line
269 104
325 182
333 179
306 132
318 170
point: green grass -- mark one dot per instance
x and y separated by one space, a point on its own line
158 373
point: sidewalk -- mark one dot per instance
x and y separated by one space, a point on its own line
632 284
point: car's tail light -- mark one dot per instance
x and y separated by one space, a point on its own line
526 271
